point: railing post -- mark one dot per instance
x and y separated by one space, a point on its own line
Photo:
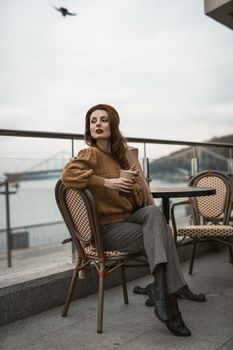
72 244
145 166
73 255
194 162
230 162
72 148
8 227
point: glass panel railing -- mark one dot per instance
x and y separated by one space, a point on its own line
31 216
213 158
31 166
168 171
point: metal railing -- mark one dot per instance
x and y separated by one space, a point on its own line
7 191
145 141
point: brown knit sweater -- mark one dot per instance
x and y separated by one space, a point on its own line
90 169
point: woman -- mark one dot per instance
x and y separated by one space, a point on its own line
126 222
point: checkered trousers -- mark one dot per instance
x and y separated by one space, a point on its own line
147 228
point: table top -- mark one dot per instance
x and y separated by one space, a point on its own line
181 191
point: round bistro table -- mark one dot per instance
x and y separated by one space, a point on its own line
166 193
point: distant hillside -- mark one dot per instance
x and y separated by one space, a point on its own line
177 164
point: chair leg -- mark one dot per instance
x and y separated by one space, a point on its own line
124 285
70 291
192 258
230 254
100 299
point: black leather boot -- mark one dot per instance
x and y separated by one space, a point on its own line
157 292
175 324
186 293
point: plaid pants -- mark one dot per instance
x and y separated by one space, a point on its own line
147 228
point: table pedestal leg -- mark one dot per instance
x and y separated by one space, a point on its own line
166 208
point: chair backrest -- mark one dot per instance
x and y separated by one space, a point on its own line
211 208
78 210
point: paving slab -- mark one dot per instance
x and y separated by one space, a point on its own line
134 326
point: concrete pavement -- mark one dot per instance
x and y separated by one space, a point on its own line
134 326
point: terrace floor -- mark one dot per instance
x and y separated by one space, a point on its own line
134 326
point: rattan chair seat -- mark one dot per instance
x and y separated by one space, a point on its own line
89 251
205 230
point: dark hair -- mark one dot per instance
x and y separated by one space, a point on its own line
118 142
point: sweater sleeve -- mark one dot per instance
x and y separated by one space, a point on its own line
137 196
79 172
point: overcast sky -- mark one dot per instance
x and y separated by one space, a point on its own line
165 65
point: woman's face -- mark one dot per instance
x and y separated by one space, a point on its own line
99 125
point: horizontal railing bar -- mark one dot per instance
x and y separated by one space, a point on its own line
176 142
41 134
69 136
33 226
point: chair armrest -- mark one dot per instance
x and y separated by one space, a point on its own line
187 201
173 220
67 240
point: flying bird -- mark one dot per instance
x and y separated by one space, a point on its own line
64 11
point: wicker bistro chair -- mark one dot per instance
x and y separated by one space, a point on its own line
205 214
230 176
78 209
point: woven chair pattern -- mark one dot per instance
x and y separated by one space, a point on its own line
212 206
206 230
107 253
78 213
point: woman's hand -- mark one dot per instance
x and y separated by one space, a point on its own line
136 172
122 184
